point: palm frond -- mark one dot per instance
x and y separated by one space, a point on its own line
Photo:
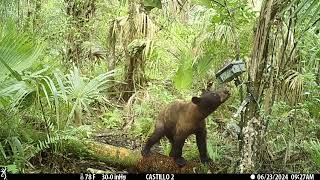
17 51
293 85
224 33
81 91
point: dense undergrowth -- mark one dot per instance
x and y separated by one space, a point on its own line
56 81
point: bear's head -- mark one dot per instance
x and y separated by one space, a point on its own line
209 101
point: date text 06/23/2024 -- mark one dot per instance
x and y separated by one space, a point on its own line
277 176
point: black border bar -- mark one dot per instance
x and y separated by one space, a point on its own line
168 176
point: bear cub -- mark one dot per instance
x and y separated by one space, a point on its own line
181 119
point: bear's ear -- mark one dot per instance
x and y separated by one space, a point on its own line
195 100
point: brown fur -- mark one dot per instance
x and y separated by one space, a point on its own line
181 119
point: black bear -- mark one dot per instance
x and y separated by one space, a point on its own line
181 119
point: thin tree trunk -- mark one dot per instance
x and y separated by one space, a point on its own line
112 46
36 18
318 75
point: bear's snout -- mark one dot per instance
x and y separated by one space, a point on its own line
225 95
227 92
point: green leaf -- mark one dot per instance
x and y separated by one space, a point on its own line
13 72
204 64
184 76
289 6
44 89
152 3
301 5
2 151
313 147
12 168
213 151
206 3
17 52
314 17
216 18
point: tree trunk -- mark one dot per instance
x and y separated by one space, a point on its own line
253 133
120 157
37 17
256 68
134 73
112 40
129 159
176 9
79 12
78 116
318 75
112 45
131 61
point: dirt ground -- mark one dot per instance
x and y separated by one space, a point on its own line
48 162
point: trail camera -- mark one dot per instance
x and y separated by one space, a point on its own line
231 71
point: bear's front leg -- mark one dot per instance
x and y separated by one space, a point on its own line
201 138
176 151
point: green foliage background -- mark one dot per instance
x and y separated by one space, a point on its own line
42 92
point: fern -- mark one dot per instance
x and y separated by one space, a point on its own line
313 147
12 168
49 141
17 157
4 156
23 153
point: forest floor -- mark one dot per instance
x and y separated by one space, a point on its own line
51 162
